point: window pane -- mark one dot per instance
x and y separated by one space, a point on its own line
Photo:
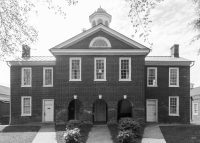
26 106
100 69
124 69
75 71
27 77
48 76
173 76
173 105
152 77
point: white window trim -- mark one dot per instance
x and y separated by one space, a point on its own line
95 78
70 69
197 109
22 107
177 77
102 38
156 85
44 68
22 76
177 114
125 58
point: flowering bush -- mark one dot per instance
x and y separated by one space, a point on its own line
73 124
126 136
129 124
72 136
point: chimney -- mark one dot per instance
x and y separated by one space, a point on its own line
175 51
25 51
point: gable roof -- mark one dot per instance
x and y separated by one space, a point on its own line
95 29
4 94
4 90
195 91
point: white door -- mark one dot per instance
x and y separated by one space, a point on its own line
151 110
48 110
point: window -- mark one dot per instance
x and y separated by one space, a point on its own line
125 69
100 69
26 77
195 108
75 69
173 77
47 77
152 76
174 106
100 42
26 106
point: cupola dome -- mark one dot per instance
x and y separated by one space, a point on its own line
100 17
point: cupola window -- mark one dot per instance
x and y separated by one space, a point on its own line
100 42
100 21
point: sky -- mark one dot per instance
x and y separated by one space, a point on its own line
170 25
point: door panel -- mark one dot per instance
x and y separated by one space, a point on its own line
100 110
48 110
151 111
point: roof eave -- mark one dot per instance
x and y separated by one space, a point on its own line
32 63
168 63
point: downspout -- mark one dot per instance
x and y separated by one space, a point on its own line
10 96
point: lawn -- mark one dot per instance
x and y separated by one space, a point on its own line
84 130
18 134
181 134
114 132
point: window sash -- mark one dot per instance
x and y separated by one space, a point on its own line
152 76
26 106
173 77
100 69
48 77
75 69
125 69
174 106
26 77
195 109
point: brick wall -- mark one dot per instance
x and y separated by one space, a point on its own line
163 91
37 92
112 90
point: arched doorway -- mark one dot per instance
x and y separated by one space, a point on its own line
124 109
75 109
100 111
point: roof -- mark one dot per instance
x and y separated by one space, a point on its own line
99 27
33 60
164 58
4 93
195 91
167 60
4 90
36 58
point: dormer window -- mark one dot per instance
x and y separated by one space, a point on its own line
100 42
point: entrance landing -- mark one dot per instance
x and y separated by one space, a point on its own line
99 134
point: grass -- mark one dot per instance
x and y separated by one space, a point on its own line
18 134
114 132
181 134
84 130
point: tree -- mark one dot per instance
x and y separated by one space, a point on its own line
15 30
139 14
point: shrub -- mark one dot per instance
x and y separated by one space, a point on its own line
72 135
126 124
73 124
126 136
61 116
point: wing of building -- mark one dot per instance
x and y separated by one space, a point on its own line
100 76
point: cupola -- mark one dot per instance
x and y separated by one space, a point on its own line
100 16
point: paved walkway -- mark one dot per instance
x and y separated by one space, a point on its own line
99 134
152 134
46 134
2 127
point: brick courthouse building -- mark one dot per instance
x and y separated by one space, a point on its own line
100 76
